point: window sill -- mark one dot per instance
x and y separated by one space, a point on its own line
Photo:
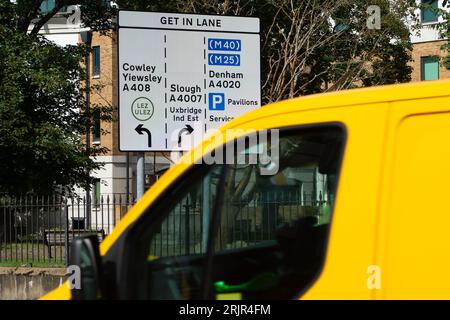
96 142
96 77
429 23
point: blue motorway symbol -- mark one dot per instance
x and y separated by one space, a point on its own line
216 101
224 59
224 44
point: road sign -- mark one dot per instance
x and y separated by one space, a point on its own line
181 75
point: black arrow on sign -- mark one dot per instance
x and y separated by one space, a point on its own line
140 129
188 130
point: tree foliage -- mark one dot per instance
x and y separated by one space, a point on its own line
41 92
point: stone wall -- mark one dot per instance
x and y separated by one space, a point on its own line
29 283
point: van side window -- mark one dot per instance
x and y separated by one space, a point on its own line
273 228
270 230
184 230
268 202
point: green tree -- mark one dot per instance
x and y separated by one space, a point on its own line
41 93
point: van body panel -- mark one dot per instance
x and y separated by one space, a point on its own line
61 293
414 234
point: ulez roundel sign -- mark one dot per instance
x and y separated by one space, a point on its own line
182 75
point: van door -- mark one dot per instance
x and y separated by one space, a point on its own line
242 229
415 238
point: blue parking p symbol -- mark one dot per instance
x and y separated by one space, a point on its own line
216 101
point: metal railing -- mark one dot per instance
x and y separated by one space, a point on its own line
243 223
38 230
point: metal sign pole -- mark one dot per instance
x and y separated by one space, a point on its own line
140 174
127 175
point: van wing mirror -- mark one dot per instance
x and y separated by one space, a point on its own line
85 254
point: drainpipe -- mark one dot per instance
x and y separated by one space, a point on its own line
86 37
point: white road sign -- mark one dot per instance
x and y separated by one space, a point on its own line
181 75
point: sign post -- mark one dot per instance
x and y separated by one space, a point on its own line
180 75
140 174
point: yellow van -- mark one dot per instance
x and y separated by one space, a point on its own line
349 198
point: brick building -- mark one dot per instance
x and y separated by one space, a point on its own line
427 46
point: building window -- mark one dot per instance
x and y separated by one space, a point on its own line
47 6
427 13
96 61
430 68
341 27
97 127
96 194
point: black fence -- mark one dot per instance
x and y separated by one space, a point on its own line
243 223
38 230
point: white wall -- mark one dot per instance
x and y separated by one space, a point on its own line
426 33
113 174
63 39
63 30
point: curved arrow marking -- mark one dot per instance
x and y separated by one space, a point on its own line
140 129
188 130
